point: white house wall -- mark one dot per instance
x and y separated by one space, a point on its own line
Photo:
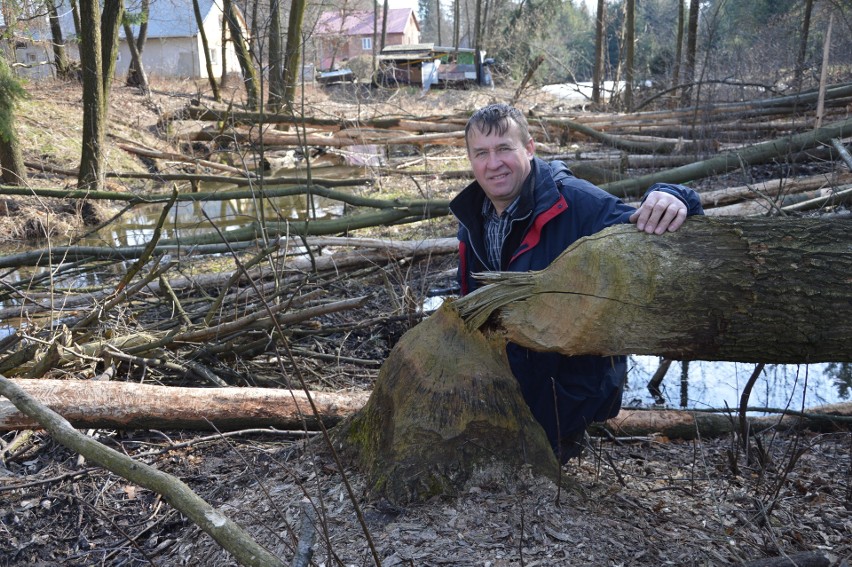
180 57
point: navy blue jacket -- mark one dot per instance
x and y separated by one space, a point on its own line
555 211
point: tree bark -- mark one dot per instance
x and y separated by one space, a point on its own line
250 77
211 78
629 47
732 160
276 58
679 45
768 290
60 56
125 405
12 168
691 47
91 175
136 76
111 17
803 45
446 411
293 52
597 73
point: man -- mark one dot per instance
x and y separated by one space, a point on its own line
519 215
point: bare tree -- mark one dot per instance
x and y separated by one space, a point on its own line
629 41
293 50
250 77
205 45
276 57
60 57
679 43
597 72
691 45
136 76
803 44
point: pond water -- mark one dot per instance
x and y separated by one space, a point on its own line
720 384
187 219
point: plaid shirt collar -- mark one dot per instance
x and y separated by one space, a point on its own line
497 227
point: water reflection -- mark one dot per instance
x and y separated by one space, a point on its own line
720 384
187 219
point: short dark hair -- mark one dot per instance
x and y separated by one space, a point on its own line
496 117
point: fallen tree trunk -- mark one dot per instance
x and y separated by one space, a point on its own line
123 405
729 161
446 407
756 290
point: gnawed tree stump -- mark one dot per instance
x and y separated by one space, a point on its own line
777 291
445 412
446 406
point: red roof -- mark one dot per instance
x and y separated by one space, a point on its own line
361 22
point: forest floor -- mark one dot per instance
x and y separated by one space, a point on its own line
646 501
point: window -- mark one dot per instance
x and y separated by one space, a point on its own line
367 43
31 57
214 55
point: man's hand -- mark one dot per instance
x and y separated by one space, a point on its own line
659 213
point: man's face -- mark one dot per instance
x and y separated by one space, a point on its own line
500 163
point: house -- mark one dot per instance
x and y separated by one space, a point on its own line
340 36
172 49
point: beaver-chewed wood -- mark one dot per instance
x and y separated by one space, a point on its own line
445 412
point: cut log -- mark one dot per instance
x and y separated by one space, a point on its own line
121 405
756 290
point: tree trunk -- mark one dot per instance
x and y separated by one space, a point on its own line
125 405
91 175
217 96
477 42
276 58
597 75
136 76
629 41
691 46
250 77
457 25
679 45
11 159
60 57
803 45
729 161
75 14
293 52
767 290
446 411
12 168
110 23
385 27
